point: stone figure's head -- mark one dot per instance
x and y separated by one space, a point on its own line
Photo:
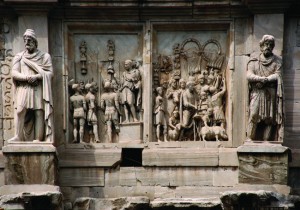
159 90
175 113
173 83
30 40
107 84
201 79
182 83
191 85
76 87
267 44
128 64
92 87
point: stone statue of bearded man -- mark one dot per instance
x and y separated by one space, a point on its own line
32 74
265 120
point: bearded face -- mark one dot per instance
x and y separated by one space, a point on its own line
30 44
267 48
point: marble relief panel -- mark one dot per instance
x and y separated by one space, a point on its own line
105 87
190 85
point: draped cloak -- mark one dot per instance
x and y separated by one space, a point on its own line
266 103
34 97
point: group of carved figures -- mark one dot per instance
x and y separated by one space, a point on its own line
183 107
196 104
114 96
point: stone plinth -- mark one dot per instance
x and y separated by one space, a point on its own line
263 163
30 163
131 132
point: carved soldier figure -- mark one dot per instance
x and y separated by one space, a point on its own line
217 105
160 114
92 109
265 82
32 74
131 90
78 106
109 103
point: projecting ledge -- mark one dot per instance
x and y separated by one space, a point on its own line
263 147
29 147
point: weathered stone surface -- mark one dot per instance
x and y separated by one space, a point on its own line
263 147
81 177
240 97
180 157
228 157
166 176
243 37
186 203
263 164
131 132
225 177
134 203
111 177
46 197
30 164
92 157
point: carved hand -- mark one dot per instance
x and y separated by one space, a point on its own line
33 79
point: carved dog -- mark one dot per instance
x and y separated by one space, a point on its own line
217 132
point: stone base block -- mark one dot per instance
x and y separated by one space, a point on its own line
263 163
30 163
132 131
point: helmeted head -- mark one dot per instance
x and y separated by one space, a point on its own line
30 40
267 44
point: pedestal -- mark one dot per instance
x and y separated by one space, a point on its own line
131 132
30 163
263 163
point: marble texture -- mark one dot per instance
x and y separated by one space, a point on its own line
263 164
30 164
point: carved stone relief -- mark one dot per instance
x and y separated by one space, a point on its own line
110 95
190 78
7 109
